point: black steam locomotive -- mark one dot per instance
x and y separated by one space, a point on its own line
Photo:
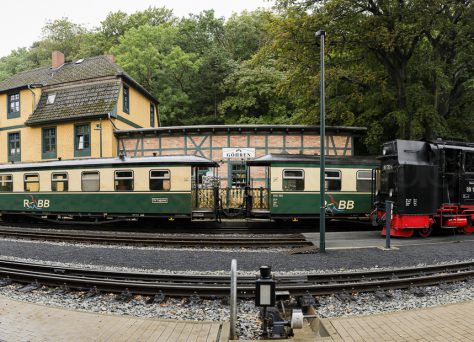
431 185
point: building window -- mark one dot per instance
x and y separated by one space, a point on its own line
293 180
333 180
90 181
364 181
123 180
31 182
6 183
49 143
13 106
126 100
82 140
14 146
152 115
238 175
59 181
160 180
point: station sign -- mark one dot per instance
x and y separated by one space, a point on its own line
239 152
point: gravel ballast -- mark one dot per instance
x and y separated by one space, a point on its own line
208 261
247 260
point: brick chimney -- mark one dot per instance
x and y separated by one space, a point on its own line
111 58
57 59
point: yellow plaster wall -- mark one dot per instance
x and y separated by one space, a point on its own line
31 137
31 140
139 109
26 107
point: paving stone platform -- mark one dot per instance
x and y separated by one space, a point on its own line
21 321
454 322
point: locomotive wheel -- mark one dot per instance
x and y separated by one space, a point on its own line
424 232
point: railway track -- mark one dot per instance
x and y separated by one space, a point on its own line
219 286
153 239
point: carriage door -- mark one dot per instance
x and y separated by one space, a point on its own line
237 175
233 197
203 183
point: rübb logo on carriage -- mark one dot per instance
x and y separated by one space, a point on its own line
36 203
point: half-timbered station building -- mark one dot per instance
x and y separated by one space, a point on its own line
70 110
232 145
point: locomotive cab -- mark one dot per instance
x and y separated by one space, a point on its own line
408 178
431 184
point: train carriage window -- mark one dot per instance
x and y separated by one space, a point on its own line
293 180
364 181
160 180
469 162
90 181
6 183
333 180
124 180
31 182
59 181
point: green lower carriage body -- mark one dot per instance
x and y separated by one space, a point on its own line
118 203
286 204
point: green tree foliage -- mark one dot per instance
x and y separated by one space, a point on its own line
151 55
253 96
116 24
19 60
393 66
403 69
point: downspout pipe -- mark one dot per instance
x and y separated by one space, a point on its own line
158 112
30 88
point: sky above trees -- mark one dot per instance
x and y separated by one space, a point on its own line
26 18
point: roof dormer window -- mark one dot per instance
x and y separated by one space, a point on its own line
51 98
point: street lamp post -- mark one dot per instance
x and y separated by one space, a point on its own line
322 208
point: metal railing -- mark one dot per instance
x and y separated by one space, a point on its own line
204 198
231 198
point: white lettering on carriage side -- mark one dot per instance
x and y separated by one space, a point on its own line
36 203
159 200
349 205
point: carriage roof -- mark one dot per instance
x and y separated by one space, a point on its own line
275 158
101 162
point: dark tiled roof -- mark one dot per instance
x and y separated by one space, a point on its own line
95 67
86 69
22 79
77 102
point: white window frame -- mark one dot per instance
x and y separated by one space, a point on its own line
150 177
8 181
284 177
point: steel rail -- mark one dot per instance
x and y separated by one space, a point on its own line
151 239
218 286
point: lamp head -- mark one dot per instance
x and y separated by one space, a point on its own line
320 33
